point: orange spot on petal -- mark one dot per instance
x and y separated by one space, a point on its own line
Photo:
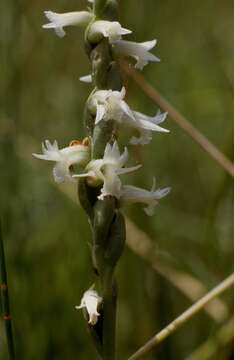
75 142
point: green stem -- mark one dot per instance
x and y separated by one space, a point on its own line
5 301
107 223
99 6
109 320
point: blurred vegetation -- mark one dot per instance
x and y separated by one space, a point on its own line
46 233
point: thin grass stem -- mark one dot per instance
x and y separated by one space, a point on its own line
183 318
5 300
208 350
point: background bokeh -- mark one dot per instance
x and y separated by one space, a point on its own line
45 230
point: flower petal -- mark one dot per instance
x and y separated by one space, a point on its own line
58 21
86 79
101 110
139 51
133 194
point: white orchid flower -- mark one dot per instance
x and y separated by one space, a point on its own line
76 153
59 21
139 51
107 171
146 132
108 29
91 300
133 194
110 105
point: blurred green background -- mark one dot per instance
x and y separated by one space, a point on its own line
46 232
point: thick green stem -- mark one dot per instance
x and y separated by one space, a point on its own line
107 222
109 317
99 6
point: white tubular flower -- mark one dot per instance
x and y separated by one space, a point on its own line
107 171
76 153
139 51
109 105
86 79
59 21
91 300
132 194
108 29
148 124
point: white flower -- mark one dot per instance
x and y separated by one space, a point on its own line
109 105
107 171
76 153
91 300
108 29
132 194
59 21
139 51
86 79
146 132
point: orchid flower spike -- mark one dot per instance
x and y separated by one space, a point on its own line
109 105
108 29
139 51
59 21
132 194
107 171
75 153
91 301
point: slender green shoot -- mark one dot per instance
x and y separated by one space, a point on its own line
5 300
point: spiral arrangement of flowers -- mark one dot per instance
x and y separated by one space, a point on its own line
98 163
